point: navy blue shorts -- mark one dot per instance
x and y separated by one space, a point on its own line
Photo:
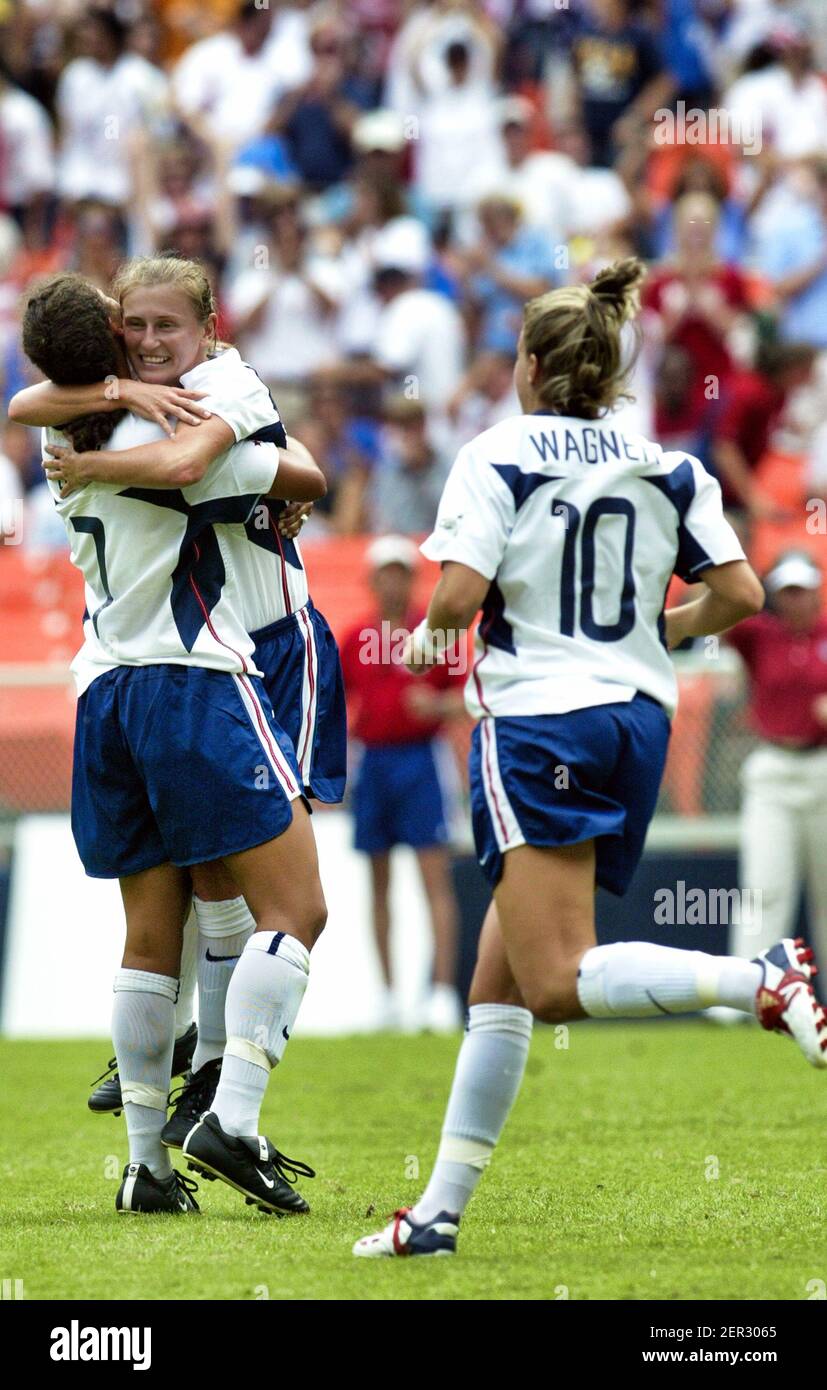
402 796
299 659
177 763
558 779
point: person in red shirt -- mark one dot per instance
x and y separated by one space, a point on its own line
698 300
750 410
784 805
402 789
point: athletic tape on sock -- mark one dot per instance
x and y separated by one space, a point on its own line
248 1052
453 1149
707 978
136 1093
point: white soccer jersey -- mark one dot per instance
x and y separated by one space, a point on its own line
269 570
159 574
579 526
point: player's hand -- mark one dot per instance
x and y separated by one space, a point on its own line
69 470
413 658
819 709
155 403
293 518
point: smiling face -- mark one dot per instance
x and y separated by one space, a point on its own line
162 334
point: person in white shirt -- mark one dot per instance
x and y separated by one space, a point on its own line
783 106
420 341
178 758
104 97
284 307
565 531
27 167
227 86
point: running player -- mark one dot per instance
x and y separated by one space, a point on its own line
173 730
294 646
566 530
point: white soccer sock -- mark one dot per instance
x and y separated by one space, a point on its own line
143 1027
184 1013
263 998
636 979
223 931
488 1076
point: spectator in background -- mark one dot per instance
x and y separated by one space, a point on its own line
599 201
792 253
509 264
751 407
227 86
316 119
410 472
540 181
420 339
284 307
701 175
346 448
698 300
104 96
458 135
619 73
27 167
485 395
786 101
401 791
784 806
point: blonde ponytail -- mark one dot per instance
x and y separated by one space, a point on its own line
576 335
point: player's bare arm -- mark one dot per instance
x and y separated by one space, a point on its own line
734 592
48 404
177 462
455 602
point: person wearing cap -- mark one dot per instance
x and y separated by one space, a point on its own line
784 805
403 786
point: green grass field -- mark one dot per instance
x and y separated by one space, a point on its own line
665 1161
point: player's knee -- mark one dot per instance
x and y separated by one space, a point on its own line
316 919
548 1001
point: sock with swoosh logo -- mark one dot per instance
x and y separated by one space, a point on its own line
266 990
224 928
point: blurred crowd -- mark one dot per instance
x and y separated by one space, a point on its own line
377 186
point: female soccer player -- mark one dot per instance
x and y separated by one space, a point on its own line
173 733
566 531
160 298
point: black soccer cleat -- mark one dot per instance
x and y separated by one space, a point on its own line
190 1102
141 1191
106 1099
251 1165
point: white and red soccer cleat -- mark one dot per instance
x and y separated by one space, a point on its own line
402 1236
786 1002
